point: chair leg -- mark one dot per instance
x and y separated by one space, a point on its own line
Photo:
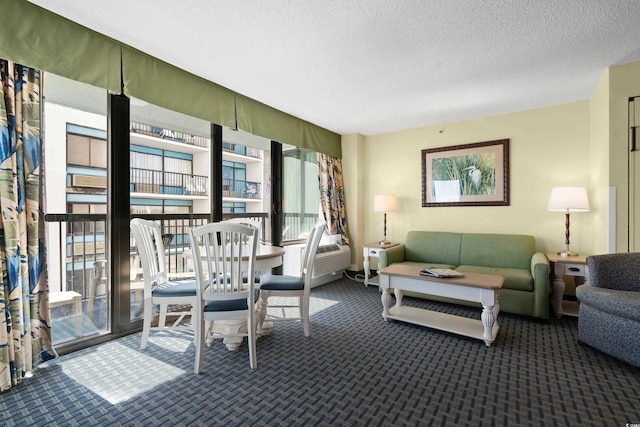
146 324
199 342
251 337
261 308
304 313
192 313
162 316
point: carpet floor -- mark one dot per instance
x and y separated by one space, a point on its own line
354 370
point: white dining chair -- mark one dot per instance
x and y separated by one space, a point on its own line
252 223
274 285
227 252
256 223
158 289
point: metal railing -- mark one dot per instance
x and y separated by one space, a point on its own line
241 189
169 134
76 242
295 224
159 182
242 150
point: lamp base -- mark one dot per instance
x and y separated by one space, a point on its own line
567 253
384 242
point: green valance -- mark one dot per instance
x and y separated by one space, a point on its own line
160 83
36 37
260 119
33 36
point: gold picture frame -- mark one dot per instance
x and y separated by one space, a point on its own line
466 175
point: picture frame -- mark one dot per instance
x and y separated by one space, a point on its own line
474 174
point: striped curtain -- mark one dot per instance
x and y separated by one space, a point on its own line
25 330
332 195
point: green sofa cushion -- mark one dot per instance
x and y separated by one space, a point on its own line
433 246
514 278
497 250
434 265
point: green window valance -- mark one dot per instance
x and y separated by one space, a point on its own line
36 37
33 36
180 91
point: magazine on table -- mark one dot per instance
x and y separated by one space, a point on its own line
441 272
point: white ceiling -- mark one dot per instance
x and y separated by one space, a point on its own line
375 66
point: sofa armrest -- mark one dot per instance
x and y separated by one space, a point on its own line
389 256
540 274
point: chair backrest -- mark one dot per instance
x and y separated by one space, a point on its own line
620 271
309 254
223 252
148 240
248 221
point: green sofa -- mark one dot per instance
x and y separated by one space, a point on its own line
526 272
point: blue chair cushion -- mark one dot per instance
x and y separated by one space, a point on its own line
228 305
275 282
256 278
181 288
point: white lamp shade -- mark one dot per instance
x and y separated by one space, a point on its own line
384 203
568 199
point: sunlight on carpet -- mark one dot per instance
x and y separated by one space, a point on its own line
316 305
64 328
179 343
118 379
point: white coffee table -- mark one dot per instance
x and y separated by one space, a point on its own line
482 288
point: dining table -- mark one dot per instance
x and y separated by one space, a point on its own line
267 257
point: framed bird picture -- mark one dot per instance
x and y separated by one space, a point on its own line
466 175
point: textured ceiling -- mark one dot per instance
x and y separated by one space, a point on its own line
374 66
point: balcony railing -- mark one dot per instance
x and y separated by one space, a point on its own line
77 241
170 135
159 182
241 189
295 224
242 150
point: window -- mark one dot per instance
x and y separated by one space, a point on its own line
233 179
84 150
301 193
234 207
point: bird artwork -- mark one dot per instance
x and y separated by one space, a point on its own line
475 174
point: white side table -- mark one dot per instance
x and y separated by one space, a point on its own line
372 250
566 266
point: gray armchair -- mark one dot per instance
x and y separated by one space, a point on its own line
610 306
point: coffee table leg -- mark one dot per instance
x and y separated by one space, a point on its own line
386 302
488 318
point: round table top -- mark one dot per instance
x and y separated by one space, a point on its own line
264 251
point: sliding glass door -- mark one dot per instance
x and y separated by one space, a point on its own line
76 177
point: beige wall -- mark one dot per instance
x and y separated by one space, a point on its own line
624 83
583 143
548 147
599 183
353 179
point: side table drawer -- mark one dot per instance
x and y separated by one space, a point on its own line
574 269
373 251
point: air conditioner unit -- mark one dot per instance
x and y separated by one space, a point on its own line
331 261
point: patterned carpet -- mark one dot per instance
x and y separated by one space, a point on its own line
354 370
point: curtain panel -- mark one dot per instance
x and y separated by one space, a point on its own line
25 333
332 197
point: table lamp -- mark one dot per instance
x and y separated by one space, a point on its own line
384 203
567 200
